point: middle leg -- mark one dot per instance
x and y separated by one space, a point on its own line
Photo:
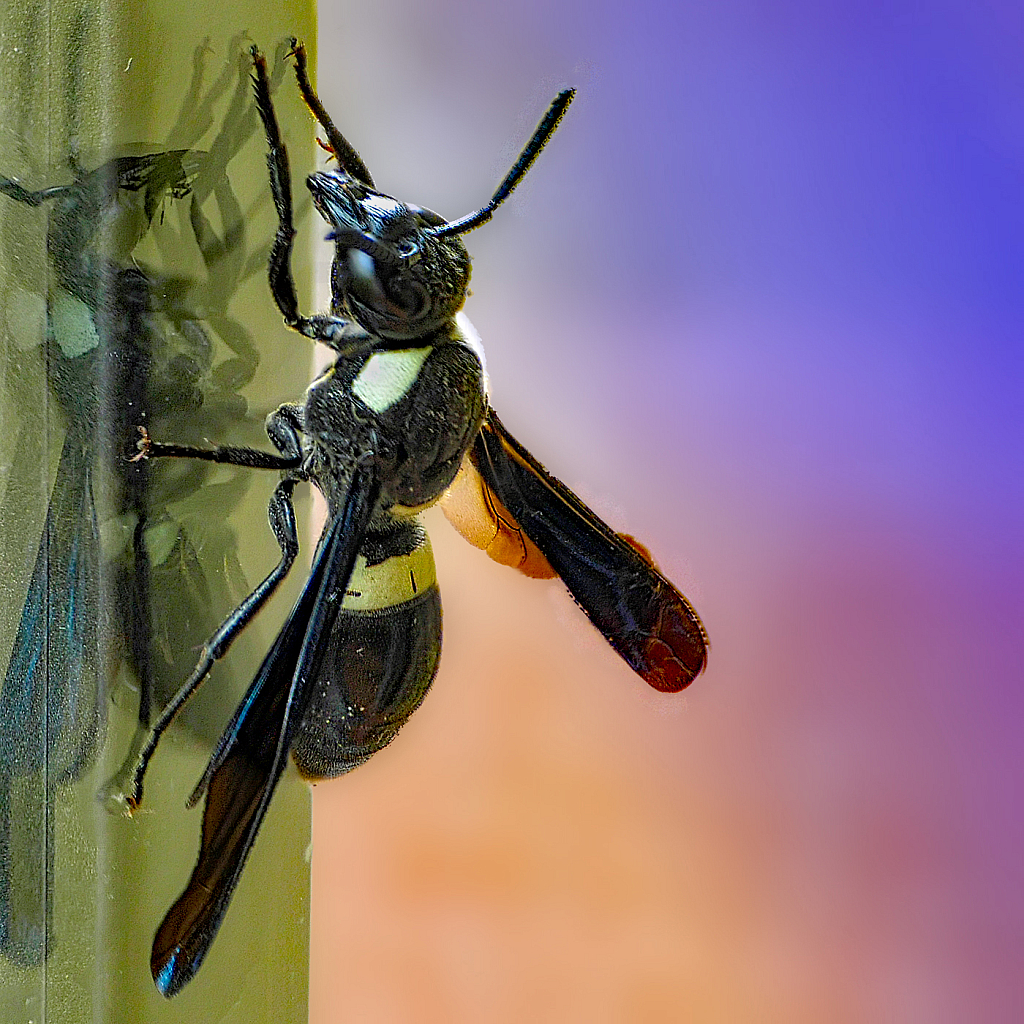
281 513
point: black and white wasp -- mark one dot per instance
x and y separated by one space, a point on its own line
383 433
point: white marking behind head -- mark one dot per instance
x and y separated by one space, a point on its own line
387 376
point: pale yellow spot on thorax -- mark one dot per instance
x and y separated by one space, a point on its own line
387 376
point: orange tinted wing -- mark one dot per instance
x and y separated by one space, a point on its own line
639 612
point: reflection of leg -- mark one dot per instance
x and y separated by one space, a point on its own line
138 639
282 522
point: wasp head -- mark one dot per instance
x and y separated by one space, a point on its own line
390 274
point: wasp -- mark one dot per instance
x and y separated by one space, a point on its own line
399 417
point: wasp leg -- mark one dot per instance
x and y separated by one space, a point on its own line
281 513
251 458
9 187
348 159
332 330
283 428
281 284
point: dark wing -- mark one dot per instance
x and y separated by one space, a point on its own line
253 751
639 612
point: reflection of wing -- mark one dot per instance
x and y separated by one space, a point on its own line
639 612
48 729
252 753
63 603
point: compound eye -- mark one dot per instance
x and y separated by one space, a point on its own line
397 296
364 283
410 295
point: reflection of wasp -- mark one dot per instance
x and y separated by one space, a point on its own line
383 433
99 357
118 576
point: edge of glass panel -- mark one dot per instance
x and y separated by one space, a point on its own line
80 83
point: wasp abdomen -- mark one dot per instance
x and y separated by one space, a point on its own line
381 657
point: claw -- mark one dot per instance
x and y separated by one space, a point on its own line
144 444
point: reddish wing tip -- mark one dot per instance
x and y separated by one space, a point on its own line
676 651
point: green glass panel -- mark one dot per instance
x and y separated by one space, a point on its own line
141 291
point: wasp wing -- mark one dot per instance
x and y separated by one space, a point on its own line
253 751
654 628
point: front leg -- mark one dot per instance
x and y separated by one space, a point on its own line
284 427
279 269
345 337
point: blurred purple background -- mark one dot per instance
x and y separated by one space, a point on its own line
760 303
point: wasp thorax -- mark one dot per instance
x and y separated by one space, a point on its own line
390 275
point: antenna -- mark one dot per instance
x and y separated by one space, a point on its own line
530 153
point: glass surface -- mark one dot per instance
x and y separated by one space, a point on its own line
135 292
